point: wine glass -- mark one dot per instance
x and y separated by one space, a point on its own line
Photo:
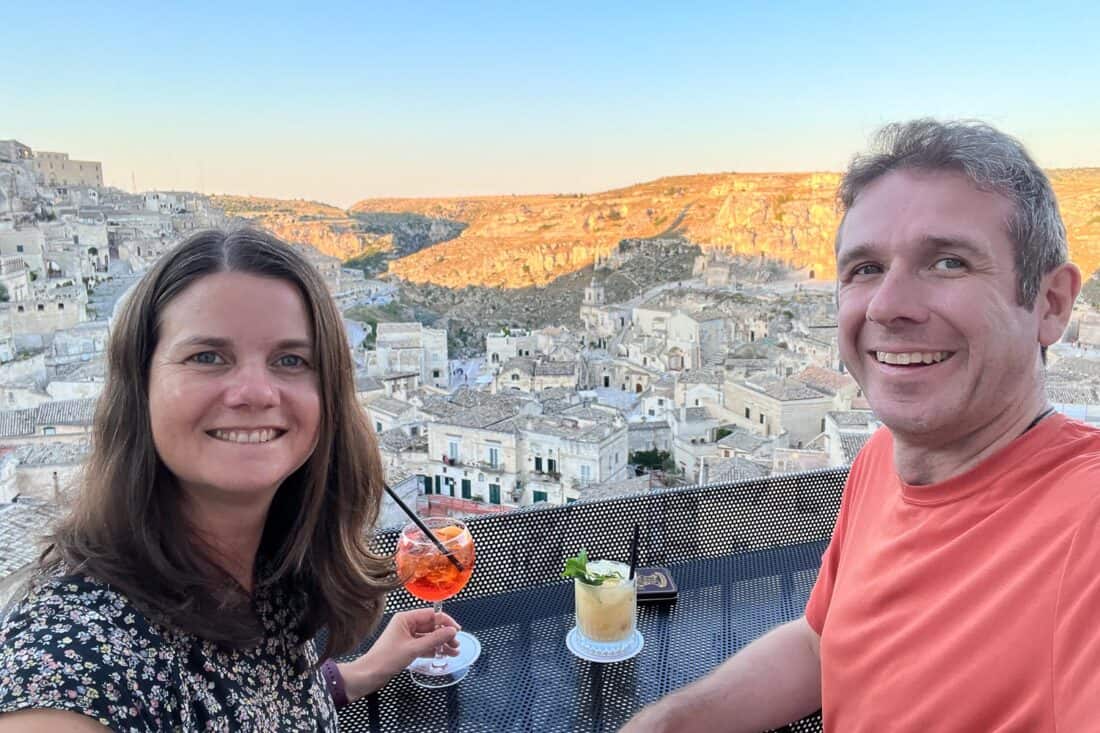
434 576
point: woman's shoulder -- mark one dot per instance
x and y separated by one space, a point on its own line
62 597
74 643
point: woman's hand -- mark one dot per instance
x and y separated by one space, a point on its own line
409 634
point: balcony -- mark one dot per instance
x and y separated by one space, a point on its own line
497 467
729 547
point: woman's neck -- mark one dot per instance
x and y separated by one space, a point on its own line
230 536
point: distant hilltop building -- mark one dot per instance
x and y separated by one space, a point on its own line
57 170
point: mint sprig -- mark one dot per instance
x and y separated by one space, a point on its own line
577 567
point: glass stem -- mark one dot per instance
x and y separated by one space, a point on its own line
439 662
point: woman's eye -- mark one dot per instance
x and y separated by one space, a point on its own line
949 263
206 357
291 361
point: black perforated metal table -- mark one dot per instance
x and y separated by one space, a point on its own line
745 557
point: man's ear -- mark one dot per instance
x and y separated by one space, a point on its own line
1057 292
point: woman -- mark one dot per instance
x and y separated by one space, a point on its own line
221 519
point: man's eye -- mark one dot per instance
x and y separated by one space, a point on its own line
206 357
949 263
867 269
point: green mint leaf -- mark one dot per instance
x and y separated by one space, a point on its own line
577 567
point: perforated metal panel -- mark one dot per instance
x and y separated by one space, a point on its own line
745 557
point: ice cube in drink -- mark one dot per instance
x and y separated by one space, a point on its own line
606 613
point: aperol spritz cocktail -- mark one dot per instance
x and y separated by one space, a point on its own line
433 575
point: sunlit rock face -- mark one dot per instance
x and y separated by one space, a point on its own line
521 241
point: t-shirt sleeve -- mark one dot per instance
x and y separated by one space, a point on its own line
1076 646
59 655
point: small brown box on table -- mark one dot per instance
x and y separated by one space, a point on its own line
655 585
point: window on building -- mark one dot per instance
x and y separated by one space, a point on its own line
18 248
537 496
494 456
414 431
551 465
660 402
61 306
451 487
823 425
435 374
21 309
377 426
586 473
49 430
515 377
761 418
466 489
538 464
438 481
494 493
452 450
652 413
41 307
748 414
696 403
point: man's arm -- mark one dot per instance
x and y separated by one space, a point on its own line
769 683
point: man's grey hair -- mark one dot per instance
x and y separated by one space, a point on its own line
995 162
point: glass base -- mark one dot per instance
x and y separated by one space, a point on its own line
594 652
454 669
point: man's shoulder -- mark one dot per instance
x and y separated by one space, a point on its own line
1077 445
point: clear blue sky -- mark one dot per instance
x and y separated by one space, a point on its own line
341 101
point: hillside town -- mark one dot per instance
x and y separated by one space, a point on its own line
730 374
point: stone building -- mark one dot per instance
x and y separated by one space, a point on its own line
534 375
774 405
28 244
411 347
474 453
59 171
506 345
563 454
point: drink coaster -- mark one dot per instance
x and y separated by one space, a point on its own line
469 649
637 641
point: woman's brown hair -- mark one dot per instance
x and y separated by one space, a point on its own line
125 528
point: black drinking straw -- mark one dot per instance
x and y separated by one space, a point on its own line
633 553
424 528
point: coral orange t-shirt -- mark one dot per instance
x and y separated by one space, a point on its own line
968 605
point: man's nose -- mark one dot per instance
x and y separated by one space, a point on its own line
900 296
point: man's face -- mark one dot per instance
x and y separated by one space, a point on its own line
928 318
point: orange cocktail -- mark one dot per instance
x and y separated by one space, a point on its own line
428 574
434 568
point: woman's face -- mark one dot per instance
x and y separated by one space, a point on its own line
234 399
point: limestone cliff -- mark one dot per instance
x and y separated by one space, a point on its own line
325 227
520 241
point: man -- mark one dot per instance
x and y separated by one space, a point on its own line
961 589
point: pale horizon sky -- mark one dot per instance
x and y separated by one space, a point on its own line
358 100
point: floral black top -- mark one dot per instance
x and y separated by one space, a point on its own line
74 644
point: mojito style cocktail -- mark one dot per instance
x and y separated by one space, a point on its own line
606 613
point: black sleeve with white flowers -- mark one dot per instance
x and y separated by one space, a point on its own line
74 644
